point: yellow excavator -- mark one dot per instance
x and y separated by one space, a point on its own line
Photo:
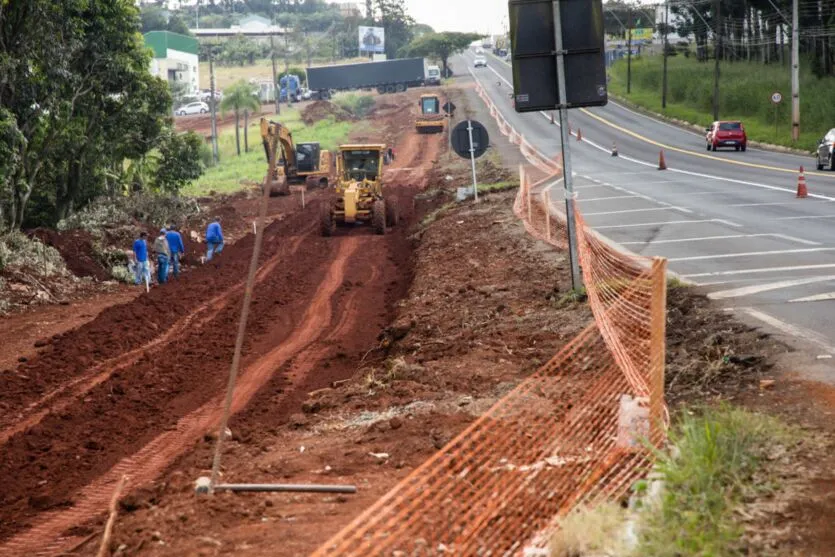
430 119
299 164
359 191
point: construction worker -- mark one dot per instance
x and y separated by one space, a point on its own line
142 271
163 254
175 245
214 239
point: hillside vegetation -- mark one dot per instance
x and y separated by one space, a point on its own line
745 94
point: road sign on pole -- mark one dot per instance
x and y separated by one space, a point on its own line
534 46
776 99
559 62
470 140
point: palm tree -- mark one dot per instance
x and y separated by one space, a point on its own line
239 97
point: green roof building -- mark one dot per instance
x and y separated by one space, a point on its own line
175 58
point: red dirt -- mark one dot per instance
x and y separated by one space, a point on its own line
76 247
319 110
133 389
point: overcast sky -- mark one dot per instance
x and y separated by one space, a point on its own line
483 16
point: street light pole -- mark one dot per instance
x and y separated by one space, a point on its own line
666 48
629 51
795 72
717 42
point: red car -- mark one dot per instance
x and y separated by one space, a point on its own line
726 134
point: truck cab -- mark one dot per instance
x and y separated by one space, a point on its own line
290 85
433 75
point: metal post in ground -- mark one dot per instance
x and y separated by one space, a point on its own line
215 154
472 159
795 72
568 180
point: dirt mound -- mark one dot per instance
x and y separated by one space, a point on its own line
76 247
320 110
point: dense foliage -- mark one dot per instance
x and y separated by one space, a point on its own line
79 108
439 46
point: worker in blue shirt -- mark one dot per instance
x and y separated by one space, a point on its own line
140 254
175 245
214 239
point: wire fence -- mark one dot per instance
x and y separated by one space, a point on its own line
577 432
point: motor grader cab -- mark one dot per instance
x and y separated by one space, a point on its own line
359 191
430 119
297 164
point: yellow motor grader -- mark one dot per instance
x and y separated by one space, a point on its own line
359 191
298 164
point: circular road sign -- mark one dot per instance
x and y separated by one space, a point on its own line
776 97
461 139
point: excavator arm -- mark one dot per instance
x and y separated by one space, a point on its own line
274 134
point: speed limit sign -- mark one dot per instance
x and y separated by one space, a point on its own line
776 97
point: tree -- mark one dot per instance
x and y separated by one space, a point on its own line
440 46
397 24
239 97
179 161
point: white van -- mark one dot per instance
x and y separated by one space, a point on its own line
433 75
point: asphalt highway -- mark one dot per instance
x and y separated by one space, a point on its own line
728 221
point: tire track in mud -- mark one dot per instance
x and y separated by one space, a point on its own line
98 374
47 537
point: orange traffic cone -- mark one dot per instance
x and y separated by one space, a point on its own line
802 192
614 149
579 134
662 164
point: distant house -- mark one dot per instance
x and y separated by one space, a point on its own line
253 22
175 58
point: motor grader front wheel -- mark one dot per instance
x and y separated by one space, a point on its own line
378 218
392 212
327 224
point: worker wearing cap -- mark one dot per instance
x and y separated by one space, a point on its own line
142 270
163 253
175 245
214 239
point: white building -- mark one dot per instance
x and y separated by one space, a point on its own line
175 58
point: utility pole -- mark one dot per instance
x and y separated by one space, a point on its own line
666 47
215 154
795 71
717 42
565 137
628 51
276 87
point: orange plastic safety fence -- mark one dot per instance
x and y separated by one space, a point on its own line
574 433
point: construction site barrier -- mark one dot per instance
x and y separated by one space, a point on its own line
580 431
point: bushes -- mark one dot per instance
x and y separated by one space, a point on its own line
157 210
19 251
358 106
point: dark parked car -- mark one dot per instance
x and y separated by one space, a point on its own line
826 151
726 134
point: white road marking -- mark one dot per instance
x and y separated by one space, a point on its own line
761 270
590 186
645 224
728 237
816 298
606 198
768 287
780 203
807 217
791 330
748 254
625 211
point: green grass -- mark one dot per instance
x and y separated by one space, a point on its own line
745 94
718 461
234 173
497 187
262 69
